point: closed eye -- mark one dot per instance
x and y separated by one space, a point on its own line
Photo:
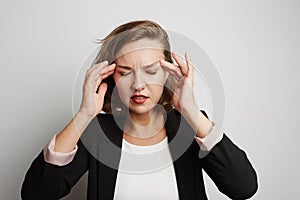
125 73
151 72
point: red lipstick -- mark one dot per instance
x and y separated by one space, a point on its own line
139 99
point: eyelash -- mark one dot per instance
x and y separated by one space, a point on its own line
125 74
151 73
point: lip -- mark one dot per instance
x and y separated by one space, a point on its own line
139 99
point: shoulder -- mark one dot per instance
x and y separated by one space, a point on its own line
177 114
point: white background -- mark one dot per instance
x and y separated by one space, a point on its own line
254 44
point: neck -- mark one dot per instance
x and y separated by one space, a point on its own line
144 126
140 120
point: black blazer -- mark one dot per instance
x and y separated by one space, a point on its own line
226 165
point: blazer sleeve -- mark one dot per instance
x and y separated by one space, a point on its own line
48 181
230 169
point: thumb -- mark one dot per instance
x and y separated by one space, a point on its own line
102 89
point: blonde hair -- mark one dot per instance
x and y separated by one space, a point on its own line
113 42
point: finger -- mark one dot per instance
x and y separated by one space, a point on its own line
104 63
190 69
102 89
92 70
103 76
97 68
103 71
171 68
93 79
181 64
189 64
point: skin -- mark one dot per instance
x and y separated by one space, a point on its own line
143 125
138 72
183 98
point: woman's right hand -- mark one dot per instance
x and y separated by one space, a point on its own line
92 102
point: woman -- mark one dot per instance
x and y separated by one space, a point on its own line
135 80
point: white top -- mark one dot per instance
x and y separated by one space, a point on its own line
146 172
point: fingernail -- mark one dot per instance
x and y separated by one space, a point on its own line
187 55
105 62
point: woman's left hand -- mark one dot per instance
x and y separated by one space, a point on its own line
183 72
183 98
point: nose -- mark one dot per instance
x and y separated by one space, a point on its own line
138 82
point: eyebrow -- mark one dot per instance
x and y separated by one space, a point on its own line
145 66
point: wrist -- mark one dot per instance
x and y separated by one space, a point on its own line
86 111
199 122
83 117
189 111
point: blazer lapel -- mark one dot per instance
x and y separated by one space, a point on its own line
177 126
111 151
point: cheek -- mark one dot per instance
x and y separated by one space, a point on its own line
123 82
123 86
156 79
156 91
119 81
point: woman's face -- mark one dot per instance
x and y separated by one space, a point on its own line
138 75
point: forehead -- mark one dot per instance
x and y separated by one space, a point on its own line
141 51
140 57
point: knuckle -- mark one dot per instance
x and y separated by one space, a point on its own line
89 69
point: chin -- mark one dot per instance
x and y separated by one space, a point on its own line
140 109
